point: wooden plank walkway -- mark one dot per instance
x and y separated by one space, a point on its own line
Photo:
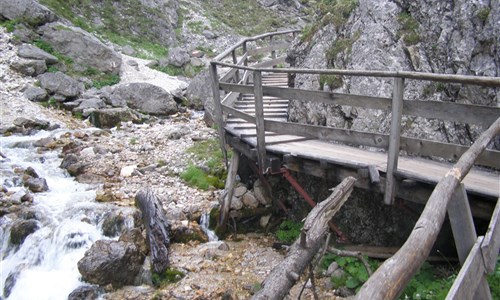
479 182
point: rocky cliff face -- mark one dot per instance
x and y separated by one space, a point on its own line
455 37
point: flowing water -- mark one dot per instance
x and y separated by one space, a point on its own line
69 221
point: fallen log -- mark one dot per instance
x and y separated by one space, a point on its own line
282 278
157 228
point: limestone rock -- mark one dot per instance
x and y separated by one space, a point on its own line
61 84
36 185
111 117
127 171
29 67
29 10
261 194
32 52
199 94
236 203
21 229
250 201
35 94
86 292
84 49
178 57
111 262
145 97
240 191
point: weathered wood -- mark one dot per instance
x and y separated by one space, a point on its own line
464 232
392 276
238 114
227 196
157 228
230 99
235 61
471 277
394 138
259 121
491 243
374 174
287 273
218 109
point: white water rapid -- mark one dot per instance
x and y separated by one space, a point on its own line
45 265
204 224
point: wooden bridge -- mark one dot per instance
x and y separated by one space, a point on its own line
252 118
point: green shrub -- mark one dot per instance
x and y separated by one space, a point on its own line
427 285
333 81
10 25
409 29
289 231
196 177
483 13
355 271
169 276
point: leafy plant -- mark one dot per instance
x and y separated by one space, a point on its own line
195 176
355 271
409 29
169 276
483 13
333 81
427 285
494 281
289 231
10 25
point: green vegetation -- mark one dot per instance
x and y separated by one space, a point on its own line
134 141
355 271
428 284
409 29
247 17
208 51
494 281
339 46
169 276
288 231
10 25
196 27
483 13
52 102
213 173
332 81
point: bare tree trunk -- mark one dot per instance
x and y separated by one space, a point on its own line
282 278
157 228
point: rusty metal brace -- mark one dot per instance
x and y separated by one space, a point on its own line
288 176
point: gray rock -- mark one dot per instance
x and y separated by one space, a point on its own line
146 98
61 84
10 281
250 201
111 117
93 103
25 123
199 93
127 50
30 11
209 34
29 67
35 94
178 57
332 268
111 262
113 223
177 132
36 185
261 194
236 203
86 292
84 49
240 191
196 62
32 52
21 229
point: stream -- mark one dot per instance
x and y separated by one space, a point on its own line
44 266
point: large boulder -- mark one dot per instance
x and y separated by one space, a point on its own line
32 52
61 84
29 67
84 49
178 57
111 262
111 117
145 97
21 229
86 292
35 94
199 94
29 11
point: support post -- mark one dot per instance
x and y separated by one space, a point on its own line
229 189
218 109
393 151
259 121
464 234
235 61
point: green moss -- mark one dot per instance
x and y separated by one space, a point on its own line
196 26
341 45
409 29
333 81
169 276
10 25
483 13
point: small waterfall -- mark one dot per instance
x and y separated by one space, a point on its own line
44 266
204 224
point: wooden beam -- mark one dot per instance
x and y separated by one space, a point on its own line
230 99
374 175
491 242
259 121
218 109
394 274
394 138
464 233
470 277
229 189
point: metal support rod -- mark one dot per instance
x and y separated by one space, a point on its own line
393 151
218 110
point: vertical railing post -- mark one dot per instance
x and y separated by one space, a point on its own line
218 109
235 61
259 121
273 52
464 233
393 151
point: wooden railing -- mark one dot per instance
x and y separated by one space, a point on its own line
393 275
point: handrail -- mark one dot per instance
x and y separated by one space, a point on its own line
453 78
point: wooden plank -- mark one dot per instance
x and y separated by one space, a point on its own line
270 48
471 277
393 275
238 114
239 88
394 138
259 121
218 109
241 147
450 111
230 99
491 242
